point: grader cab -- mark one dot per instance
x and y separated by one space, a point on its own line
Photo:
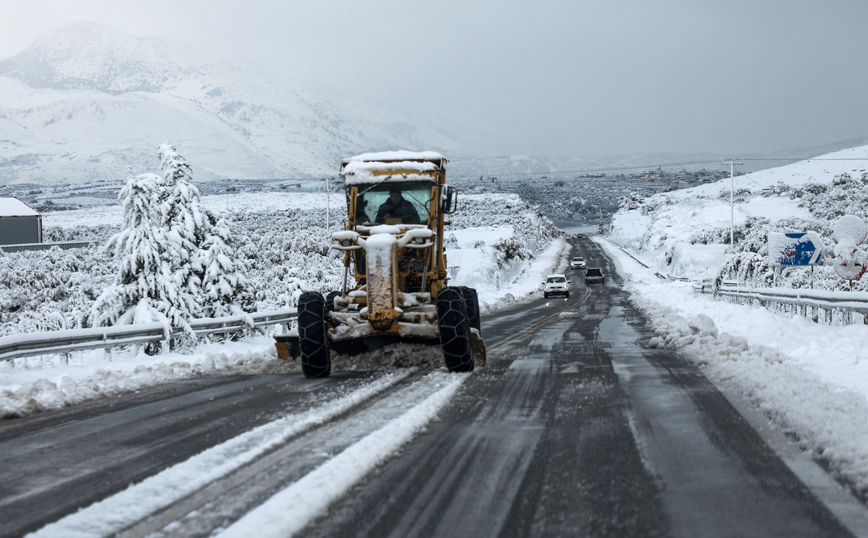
397 205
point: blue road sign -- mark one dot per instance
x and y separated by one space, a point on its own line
801 248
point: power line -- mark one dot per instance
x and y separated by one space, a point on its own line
669 165
718 161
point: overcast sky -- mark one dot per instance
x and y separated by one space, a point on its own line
559 78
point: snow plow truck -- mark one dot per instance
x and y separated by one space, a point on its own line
397 207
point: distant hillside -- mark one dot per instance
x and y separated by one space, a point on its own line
86 101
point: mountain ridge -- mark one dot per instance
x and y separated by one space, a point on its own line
86 101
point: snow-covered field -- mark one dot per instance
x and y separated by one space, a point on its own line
811 380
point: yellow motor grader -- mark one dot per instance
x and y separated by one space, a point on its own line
397 204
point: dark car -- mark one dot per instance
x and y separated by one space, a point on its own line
594 274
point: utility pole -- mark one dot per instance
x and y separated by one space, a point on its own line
328 208
732 164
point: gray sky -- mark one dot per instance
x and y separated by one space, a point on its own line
560 78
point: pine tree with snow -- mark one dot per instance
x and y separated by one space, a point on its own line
185 227
144 287
225 286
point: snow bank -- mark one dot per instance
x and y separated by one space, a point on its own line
810 380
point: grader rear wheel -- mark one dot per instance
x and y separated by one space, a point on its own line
315 360
454 330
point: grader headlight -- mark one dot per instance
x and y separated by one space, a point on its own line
346 240
417 238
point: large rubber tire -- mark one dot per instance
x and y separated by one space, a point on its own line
315 360
454 330
471 303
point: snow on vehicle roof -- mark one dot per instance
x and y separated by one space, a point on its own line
401 155
356 172
354 167
411 165
13 207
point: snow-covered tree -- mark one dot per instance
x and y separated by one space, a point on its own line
185 227
144 287
225 286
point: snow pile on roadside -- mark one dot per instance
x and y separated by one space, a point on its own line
93 378
810 380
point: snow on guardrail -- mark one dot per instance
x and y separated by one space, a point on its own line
19 346
828 301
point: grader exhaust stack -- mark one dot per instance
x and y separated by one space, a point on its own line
397 203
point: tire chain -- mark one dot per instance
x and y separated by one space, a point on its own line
454 330
315 360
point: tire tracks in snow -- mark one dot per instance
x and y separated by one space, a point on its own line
218 486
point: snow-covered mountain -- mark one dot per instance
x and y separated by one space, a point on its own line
86 101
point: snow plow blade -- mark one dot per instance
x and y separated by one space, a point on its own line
287 346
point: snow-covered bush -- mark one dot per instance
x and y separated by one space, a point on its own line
844 196
52 289
633 200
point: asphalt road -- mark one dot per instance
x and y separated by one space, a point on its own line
574 428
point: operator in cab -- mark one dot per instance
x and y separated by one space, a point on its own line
397 207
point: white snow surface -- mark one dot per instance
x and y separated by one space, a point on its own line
398 155
13 207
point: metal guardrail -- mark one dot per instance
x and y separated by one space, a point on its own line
803 299
18 346
827 301
63 245
645 265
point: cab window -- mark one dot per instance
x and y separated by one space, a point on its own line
370 199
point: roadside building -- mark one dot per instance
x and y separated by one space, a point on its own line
19 223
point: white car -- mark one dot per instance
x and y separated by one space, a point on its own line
577 263
556 285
